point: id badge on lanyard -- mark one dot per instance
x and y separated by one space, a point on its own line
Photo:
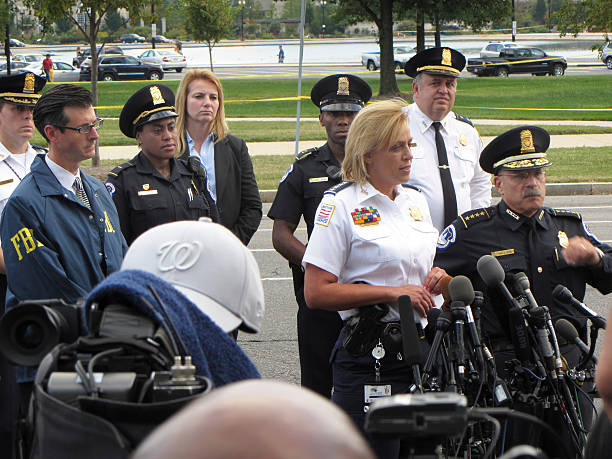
376 390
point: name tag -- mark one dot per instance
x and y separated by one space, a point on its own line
317 179
146 192
6 182
501 253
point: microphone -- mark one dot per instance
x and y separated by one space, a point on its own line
518 334
522 281
458 312
567 330
477 305
538 318
493 275
460 289
430 329
442 324
564 295
411 343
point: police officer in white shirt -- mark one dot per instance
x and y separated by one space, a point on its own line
372 242
445 158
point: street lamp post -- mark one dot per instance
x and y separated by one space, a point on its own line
242 3
323 3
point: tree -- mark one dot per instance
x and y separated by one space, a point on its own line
94 10
209 21
576 16
113 21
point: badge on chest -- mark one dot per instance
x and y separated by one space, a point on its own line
146 190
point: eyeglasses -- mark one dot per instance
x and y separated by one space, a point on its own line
523 176
85 129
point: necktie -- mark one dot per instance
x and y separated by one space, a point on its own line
80 192
448 190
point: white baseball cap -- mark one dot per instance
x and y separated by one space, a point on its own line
209 265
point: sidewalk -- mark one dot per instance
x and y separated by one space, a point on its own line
288 148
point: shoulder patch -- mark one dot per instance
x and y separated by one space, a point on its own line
475 216
324 214
465 119
306 153
590 233
117 170
287 172
564 213
110 186
40 149
447 237
339 187
407 185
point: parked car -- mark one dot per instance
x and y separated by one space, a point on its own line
606 55
62 71
122 67
371 61
160 39
495 47
85 54
518 60
16 67
29 58
168 59
13 43
131 38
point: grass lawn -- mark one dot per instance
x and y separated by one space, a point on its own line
570 97
569 165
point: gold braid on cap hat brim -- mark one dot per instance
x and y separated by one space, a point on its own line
439 68
524 160
150 112
19 97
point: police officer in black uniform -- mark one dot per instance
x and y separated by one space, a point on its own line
551 246
339 98
154 187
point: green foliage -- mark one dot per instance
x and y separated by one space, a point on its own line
63 25
576 16
113 21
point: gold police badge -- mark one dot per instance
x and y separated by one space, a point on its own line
563 239
156 95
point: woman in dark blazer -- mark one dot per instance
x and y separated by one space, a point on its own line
203 132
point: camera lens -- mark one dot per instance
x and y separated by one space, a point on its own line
29 335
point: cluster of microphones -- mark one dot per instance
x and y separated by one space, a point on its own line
460 362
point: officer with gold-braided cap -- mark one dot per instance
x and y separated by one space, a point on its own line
551 246
154 187
339 98
447 146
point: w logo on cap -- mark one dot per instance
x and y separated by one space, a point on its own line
180 256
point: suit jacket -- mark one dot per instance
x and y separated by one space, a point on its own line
238 198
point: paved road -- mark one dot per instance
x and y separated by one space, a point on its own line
274 350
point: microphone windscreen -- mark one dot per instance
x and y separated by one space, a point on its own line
410 338
562 293
490 270
566 330
461 289
444 288
522 280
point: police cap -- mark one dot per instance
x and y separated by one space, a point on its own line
148 104
21 88
340 93
517 149
436 61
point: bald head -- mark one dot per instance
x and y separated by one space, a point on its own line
257 419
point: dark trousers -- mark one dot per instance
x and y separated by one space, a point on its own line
9 393
317 332
351 374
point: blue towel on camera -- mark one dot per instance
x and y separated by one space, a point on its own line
213 352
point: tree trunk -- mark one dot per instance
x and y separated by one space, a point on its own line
420 29
388 83
93 32
437 35
210 56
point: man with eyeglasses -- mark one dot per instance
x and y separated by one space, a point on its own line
551 246
60 229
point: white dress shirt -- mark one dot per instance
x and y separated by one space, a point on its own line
463 147
13 168
397 250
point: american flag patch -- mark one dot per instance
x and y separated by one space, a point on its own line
325 213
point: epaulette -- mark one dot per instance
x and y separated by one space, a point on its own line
339 187
465 119
407 185
477 215
118 169
563 213
39 149
306 153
